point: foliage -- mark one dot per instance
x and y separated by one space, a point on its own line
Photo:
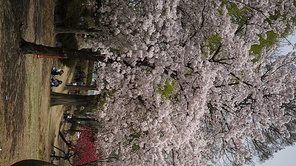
271 39
167 90
133 138
85 151
212 43
238 15
105 94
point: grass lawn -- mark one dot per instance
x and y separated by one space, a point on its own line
29 127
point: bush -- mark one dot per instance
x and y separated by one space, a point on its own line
85 149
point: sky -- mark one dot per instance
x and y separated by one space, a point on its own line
287 48
287 156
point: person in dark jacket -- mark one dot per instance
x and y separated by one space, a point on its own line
55 71
55 82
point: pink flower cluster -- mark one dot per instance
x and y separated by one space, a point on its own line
85 150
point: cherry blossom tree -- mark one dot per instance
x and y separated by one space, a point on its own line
274 140
194 81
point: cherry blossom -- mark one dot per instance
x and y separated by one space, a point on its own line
188 87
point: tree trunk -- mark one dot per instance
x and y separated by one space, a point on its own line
64 139
79 88
33 163
60 30
84 119
72 100
31 48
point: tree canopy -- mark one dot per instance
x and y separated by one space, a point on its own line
193 82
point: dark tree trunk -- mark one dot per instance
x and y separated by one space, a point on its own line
64 139
72 100
76 131
83 119
79 88
60 30
31 48
33 163
72 130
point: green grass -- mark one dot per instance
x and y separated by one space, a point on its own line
31 89
33 103
40 153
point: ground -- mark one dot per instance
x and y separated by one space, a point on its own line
28 125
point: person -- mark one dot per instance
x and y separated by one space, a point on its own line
55 82
68 118
56 71
78 83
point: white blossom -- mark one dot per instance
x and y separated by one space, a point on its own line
186 88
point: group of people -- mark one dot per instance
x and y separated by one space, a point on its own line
79 77
53 81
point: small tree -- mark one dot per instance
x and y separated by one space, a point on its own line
85 149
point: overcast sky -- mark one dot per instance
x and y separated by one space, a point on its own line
288 48
286 157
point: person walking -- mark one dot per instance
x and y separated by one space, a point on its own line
56 71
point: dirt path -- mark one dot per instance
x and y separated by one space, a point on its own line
12 84
28 126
